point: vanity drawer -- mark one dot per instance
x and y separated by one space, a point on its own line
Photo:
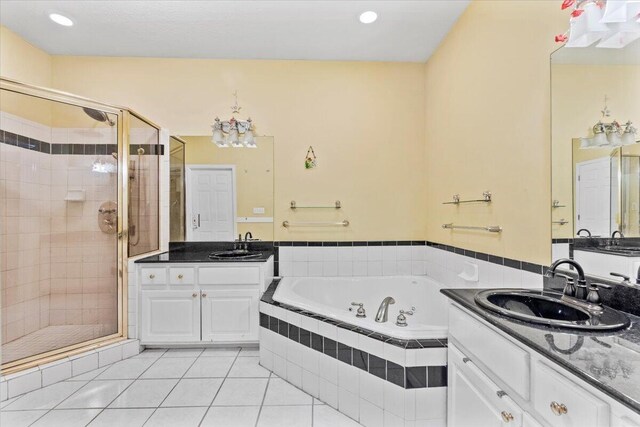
229 275
506 360
182 275
574 406
153 276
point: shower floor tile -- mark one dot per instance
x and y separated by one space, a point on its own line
52 338
225 401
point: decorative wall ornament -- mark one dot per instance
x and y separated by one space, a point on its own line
612 23
228 133
310 161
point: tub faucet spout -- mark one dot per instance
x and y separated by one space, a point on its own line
383 311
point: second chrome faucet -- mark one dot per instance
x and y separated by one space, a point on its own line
383 311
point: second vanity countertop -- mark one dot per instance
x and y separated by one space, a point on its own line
198 252
608 361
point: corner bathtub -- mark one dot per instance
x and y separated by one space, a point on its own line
332 297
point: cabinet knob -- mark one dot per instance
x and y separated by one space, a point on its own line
204 295
152 276
180 276
195 294
506 416
558 408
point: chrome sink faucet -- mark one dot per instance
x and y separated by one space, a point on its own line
582 281
383 310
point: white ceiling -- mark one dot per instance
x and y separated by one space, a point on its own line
294 29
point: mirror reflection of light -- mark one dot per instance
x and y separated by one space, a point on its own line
101 166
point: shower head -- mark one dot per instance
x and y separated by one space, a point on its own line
98 115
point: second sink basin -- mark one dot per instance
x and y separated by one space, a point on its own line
551 309
235 254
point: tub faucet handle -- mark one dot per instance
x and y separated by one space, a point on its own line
401 320
360 312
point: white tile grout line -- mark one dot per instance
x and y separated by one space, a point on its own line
176 384
83 386
264 396
161 356
220 388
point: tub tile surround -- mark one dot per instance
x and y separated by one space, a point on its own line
442 263
367 376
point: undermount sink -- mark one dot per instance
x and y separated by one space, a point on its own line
235 254
551 309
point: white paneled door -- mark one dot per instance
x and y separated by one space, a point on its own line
211 202
593 193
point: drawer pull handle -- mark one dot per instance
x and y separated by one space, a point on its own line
465 360
204 295
506 416
558 408
195 294
180 276
152 276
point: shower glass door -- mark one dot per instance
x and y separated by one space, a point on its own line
59 252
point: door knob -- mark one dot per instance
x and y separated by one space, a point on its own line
152 276
180 276
204 295
194 295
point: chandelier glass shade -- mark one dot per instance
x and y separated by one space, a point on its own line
233 132
611 23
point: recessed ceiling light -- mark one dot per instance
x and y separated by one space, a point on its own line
368 17
60 19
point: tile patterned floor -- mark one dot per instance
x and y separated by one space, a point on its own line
176 388
51 338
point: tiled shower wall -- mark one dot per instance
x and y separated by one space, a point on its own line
55 260
24 254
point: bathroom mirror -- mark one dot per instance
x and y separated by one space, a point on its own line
595 206
228 191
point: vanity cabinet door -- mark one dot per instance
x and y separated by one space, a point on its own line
563 403
472 398
230 315
170 316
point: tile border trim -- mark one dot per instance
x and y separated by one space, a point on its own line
33 144
506 262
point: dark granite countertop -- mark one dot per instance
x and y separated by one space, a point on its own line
182 252
608 361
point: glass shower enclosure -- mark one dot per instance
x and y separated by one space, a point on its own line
77 177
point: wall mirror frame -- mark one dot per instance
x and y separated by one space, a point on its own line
595 176
228 191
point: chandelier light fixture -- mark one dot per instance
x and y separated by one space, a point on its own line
233 132
611 134
611 23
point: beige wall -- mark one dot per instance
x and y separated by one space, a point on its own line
364 121
578 96
22 61
487 127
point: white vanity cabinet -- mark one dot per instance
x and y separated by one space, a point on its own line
206 303
495 380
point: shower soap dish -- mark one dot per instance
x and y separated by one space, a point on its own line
75 196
